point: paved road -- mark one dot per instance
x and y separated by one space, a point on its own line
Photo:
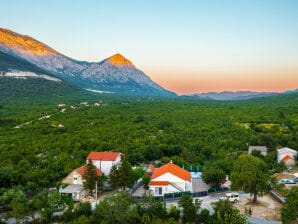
254 220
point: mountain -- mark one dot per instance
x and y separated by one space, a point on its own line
21 78
114 74
228 95
291 91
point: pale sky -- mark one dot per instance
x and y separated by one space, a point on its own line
185 46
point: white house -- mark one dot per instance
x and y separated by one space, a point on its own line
170 178
75 183
104 160
287 155
262 149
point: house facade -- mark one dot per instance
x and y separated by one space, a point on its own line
170 178
75 183
104 160
287 155
76 176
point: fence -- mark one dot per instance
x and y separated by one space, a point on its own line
177 195
277 197
135 187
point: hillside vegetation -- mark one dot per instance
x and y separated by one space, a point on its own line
39 153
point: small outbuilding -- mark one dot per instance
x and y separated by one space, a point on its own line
287 155
262 149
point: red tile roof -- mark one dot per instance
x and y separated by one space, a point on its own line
173 169
105 156
81 170
159 183
286 158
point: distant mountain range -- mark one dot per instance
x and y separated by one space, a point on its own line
238 95
115 74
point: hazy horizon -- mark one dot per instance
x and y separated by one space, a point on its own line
187 47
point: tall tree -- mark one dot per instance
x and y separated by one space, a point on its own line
213 176
190 209
289 213
90 177
125 176
250 175
151 208
114 177
118 208
226 213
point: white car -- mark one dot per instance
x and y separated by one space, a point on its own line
286 181
234 196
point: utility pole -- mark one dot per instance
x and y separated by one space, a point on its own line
96 191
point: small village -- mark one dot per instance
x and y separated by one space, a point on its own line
170 182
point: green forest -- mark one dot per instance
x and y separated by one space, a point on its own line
38 151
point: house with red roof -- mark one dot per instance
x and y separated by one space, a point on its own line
170 178
287 155
104 160
75 183
76 176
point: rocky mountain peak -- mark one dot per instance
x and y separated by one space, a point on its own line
120 60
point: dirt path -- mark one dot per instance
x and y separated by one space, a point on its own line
266 207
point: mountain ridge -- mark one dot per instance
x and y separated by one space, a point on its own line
21 78
236 95
115 73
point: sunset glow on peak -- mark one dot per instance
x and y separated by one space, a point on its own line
120 60
24 43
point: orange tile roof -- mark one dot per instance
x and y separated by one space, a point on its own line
286 158
81 170
159 183
173 169
105 156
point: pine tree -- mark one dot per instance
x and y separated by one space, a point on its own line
125 174
90 177
114 177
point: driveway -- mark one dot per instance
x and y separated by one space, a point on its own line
199 185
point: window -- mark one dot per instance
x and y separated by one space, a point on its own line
75 179
158 191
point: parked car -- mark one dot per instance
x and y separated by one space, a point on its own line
286 181
295 179
234 196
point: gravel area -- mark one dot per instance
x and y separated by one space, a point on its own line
266 207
